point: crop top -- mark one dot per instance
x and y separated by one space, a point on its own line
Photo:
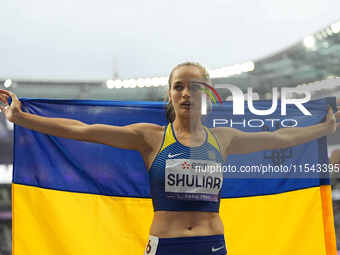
186 178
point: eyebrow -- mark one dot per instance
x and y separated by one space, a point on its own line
178 81
191 81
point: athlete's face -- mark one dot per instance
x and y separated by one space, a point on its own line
184 94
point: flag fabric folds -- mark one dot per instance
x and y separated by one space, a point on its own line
73 197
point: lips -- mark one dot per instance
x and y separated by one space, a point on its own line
186 105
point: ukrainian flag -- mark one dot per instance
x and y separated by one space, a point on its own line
72 197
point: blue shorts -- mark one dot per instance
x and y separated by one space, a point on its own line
196 245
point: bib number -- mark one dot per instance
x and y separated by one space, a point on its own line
188 179
151 247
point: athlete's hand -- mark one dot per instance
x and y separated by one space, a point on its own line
10 111
331 118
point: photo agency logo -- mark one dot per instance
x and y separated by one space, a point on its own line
238 99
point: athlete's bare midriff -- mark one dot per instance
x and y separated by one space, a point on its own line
167 224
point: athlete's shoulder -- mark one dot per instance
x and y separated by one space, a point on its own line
152 133
148 127
223 132
152 136
224 136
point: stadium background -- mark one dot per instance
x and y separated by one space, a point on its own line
313 59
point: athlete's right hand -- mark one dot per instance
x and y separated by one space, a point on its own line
11 111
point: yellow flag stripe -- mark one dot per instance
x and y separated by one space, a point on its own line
57 222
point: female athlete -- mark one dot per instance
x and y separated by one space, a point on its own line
186 203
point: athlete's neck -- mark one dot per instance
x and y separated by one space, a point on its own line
188 126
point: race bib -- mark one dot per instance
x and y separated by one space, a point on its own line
151 247
189 179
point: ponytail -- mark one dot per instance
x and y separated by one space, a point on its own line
170 112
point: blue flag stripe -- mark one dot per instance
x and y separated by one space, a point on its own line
69 165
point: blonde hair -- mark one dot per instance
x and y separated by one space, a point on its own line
203 70
170 112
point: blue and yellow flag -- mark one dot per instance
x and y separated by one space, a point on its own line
72 197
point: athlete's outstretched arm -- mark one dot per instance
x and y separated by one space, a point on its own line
246 142
126 137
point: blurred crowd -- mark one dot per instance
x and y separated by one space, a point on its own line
5 219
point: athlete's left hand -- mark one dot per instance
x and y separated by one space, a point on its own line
331 118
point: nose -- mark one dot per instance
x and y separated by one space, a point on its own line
186 92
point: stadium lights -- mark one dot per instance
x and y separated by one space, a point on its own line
319 36
8 83
118 84
328 84
232 70
335 27
309 41
110 84
141 83
148 82
131 83
125 84
155 82
227 71
249 66
329 31
159 81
